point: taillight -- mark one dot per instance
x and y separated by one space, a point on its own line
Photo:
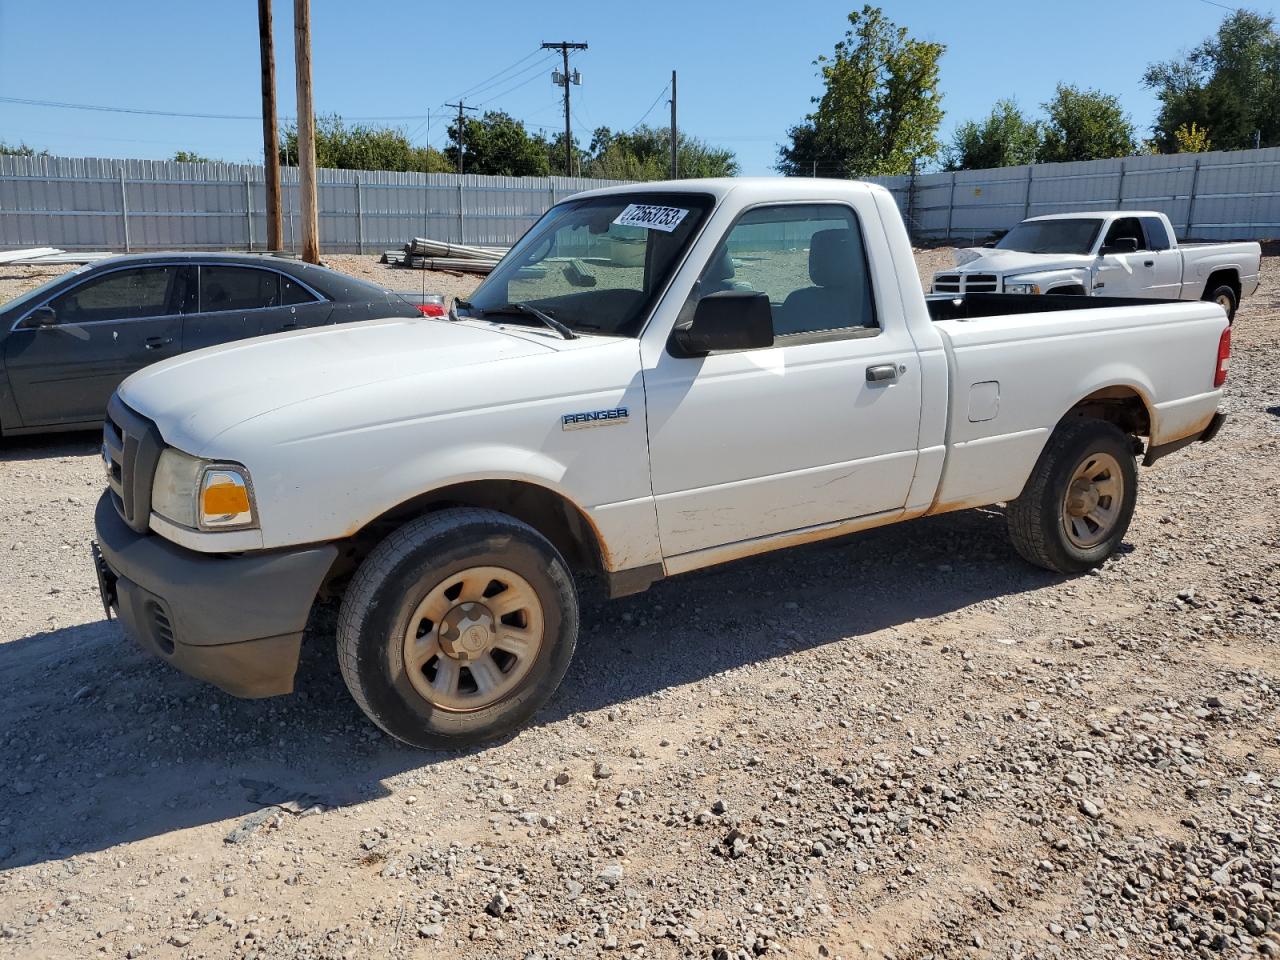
430 309
1224 358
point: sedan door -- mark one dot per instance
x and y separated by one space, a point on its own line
239 301
65 358
822 426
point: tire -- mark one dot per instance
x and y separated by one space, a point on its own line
1225 295
1068 526
456 681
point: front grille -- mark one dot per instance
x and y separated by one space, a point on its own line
966 283
131 447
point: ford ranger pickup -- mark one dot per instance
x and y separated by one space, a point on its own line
656 378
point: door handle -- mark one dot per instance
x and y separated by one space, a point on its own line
1148 263
288 326
155 343
882 373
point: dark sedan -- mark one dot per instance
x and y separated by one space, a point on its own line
66 346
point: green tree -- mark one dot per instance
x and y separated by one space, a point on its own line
555 157
1006 138
1229 85
189 156
20 150
644 153
1192 139
359 147
880 108
498 145
1086 125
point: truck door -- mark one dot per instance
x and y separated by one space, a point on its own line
102 330
759 442
1165 262
1125 274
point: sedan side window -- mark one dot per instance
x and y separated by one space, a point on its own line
119 295
237 288
808 258
292 293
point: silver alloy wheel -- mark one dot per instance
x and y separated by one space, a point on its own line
473 638
1092 503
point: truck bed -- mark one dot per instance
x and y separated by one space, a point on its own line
972 306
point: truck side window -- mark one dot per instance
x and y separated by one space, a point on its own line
1126 228
1157 235
809 259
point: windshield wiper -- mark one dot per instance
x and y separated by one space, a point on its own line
524 309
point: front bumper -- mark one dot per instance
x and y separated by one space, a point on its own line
235 621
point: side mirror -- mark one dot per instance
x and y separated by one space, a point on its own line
1120 245
726 320
40 317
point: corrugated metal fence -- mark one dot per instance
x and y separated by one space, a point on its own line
1216 196
163 205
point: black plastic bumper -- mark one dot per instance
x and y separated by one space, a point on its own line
1204 436
235 621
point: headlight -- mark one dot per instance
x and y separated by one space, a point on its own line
1022 288
202 494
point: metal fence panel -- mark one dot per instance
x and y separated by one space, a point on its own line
87 203
1217 196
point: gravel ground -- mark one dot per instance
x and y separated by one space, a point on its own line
907 744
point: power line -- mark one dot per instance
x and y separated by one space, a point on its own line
537 67
656 101
142 111
499 77
1220 6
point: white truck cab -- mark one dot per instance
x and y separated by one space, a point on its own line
1121 253
656 378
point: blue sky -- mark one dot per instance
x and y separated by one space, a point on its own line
745 70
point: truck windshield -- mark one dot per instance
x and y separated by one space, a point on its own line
596 265
1052 236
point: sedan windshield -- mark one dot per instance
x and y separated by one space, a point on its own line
595 265
1052 236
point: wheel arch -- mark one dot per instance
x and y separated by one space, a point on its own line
1121 403
1228 275
548 510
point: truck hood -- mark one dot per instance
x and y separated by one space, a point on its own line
196 396
1004 262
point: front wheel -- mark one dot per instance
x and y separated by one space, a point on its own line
457 628
1077 504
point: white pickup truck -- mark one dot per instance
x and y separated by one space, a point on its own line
1123 253
656 378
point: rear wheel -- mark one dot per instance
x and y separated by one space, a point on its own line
1224 295
457 628
1076 507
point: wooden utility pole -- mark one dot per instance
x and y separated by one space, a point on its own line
565 80
270 143
462 119
675 136
306 131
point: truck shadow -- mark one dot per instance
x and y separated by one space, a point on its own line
102 745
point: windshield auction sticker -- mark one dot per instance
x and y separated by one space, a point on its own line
650 217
